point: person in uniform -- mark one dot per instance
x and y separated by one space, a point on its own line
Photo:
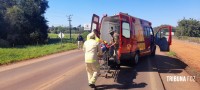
92 50
115 45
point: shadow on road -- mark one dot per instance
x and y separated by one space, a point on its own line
167 64
127 75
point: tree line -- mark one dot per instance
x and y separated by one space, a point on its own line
66 30
186 27
22 22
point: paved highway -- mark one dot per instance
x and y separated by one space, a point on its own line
66 71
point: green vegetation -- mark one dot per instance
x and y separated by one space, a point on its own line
171 53
190 39
53 38
22 22
188 27
64 29
85 35
52 35
10 55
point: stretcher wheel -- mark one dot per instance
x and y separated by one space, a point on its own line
106 76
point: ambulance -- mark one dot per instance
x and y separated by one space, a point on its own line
136 36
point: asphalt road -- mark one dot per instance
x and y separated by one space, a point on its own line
66 71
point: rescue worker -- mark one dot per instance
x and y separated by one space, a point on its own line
79 41
95 32
115 45
92 50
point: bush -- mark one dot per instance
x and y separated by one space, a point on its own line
194 39
188 27
84 34
4 43
190 39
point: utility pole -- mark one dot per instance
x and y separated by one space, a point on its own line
69 19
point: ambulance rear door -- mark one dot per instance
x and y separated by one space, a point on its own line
163 38
95 24
125 33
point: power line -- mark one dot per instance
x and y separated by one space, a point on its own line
69 19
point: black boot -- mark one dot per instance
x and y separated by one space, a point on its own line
92 85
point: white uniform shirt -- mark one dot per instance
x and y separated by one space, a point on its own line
91 48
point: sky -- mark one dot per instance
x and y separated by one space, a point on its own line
156 11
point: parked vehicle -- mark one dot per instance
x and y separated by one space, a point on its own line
136 36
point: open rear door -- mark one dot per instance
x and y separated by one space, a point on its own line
95 24
163 38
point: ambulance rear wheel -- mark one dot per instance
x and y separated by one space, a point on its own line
153 52
136 58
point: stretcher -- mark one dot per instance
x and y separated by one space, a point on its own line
107 63
104 64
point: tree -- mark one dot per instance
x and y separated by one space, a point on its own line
34 12
15 20
22 21
188 27
1 26
35 36
4 5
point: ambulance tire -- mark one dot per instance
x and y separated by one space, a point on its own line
135 59
153 52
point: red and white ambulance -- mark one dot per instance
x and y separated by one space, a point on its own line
136 36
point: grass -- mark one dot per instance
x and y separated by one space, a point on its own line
190 39
55 39
51 35
171 54
10 55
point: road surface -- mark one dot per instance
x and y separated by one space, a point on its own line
66 71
